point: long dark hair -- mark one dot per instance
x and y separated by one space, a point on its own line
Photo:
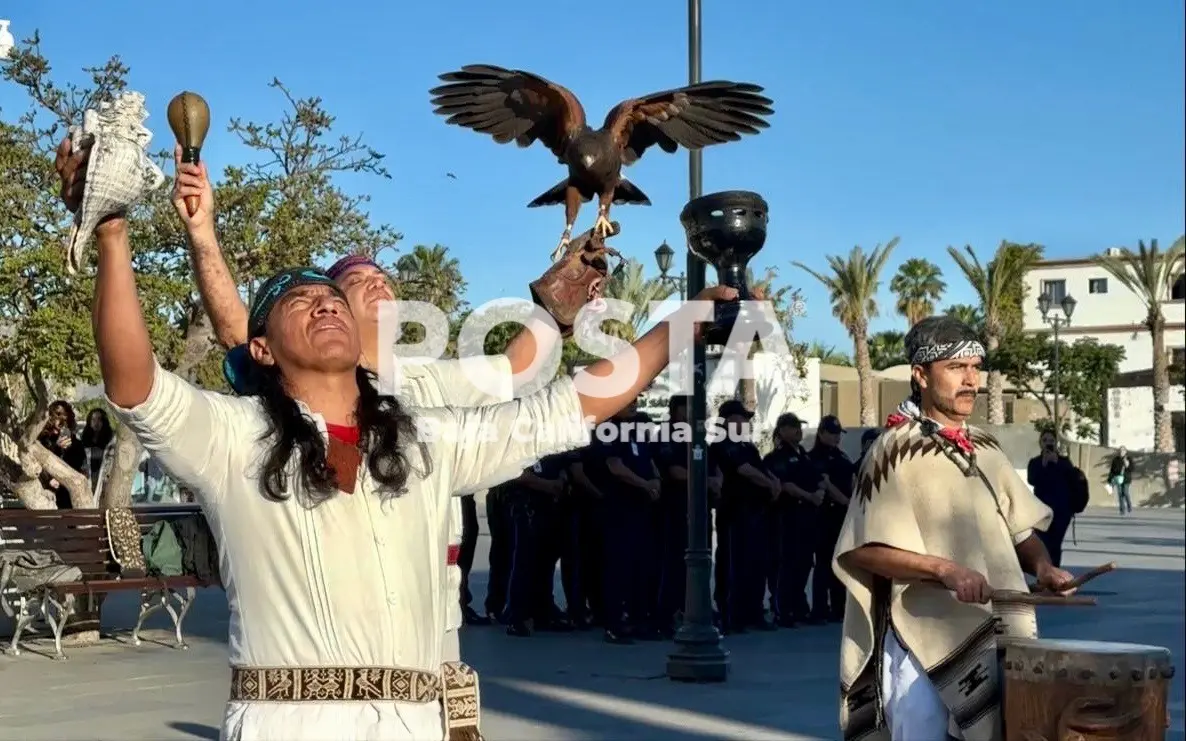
92 438
384 428
71 419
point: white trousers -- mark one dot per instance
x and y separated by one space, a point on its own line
913 708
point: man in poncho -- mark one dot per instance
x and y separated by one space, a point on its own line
939 519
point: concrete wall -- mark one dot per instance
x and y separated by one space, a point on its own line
1130 416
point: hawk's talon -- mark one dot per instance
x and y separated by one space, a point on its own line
562 248
603 228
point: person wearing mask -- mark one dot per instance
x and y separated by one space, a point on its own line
1120 477
672 458
795 515
537 487
632 485
747 492
1055 481
59 437
836 471
96 436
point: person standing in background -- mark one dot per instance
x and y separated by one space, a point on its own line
1120 477
59 436
465 559
96 436
795 516
836 471
748 490
1053 478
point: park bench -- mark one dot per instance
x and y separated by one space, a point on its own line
81 538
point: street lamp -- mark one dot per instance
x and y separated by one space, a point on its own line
663 255
698 655
1057 322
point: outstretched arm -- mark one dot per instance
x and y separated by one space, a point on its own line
216 286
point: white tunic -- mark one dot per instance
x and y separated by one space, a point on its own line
439 383
357 580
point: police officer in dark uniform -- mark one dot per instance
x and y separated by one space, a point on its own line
868 437
465 559
672 459
558 527
747 492
587 471
535 488
498 520
632 485
836 470
797 521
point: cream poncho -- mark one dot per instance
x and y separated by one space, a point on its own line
918 492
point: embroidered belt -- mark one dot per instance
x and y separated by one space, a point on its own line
456 688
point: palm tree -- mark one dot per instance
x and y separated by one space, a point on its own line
630 285
918 284
997 284
968 314
852 287
827 354
887 349
429 274
1148 273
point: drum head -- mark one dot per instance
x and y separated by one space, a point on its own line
1096 648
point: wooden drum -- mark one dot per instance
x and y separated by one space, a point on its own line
1058 690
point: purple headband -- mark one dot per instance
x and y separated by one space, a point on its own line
350 261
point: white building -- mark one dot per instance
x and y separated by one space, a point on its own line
1106 310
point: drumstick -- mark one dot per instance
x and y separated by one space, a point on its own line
1085 577
1009 596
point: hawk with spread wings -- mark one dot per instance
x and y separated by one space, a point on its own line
518 106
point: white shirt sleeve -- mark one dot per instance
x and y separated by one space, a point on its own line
463 382
192 433
484 446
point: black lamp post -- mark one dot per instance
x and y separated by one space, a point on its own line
1057 322
698 655
663 255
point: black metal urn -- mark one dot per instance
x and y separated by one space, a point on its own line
726 230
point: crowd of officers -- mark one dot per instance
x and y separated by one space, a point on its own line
613 517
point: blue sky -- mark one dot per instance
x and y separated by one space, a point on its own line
941 123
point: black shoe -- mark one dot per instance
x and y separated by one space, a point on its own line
787 622
836 618
764 625
471 616
617 638
817 620
555 625
495 618
519 629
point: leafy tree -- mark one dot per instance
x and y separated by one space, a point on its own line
852 284
1148 273
1001 287
887 349
1086 371
918 285
280 208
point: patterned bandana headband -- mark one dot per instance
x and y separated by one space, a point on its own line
947 351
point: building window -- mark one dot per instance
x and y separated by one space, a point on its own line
1178 357
1097 285
1178 290
1055 289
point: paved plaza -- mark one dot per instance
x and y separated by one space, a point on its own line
782 686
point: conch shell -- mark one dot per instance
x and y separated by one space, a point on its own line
119 170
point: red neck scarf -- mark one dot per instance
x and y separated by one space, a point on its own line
957 436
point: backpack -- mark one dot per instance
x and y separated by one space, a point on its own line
162 551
